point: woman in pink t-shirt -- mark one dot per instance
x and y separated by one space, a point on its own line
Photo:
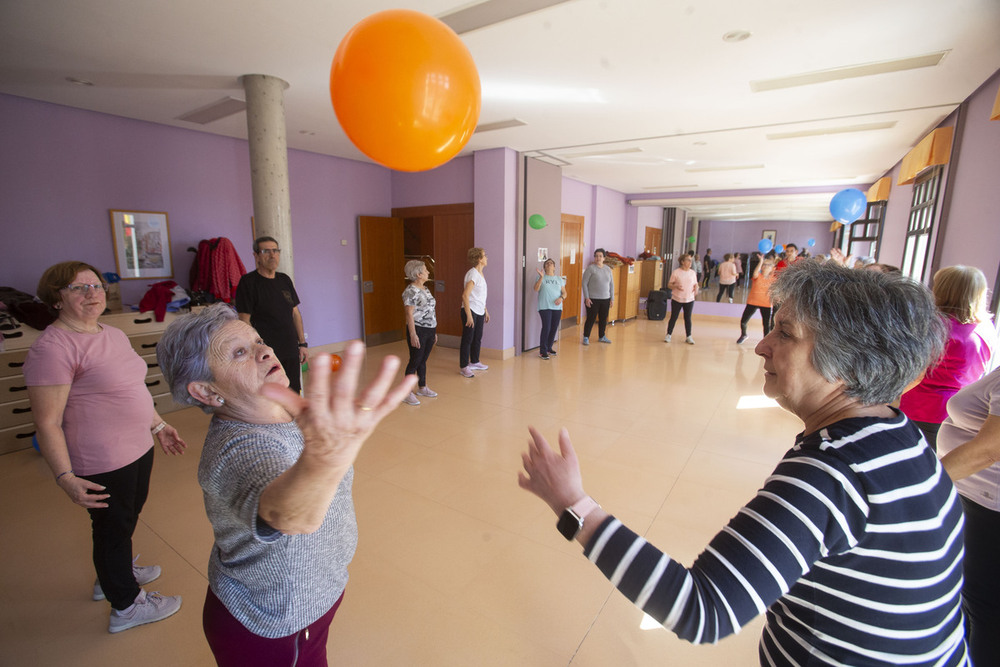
727 277
960 293
95 424
683 286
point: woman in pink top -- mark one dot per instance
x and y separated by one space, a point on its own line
96 424
683 286
727 277
960 293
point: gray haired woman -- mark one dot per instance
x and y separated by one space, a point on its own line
276 471
421 327
853 547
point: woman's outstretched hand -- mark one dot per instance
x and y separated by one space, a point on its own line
555 478
334 416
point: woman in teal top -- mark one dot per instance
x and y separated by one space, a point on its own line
551 292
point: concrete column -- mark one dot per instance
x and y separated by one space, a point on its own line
269 162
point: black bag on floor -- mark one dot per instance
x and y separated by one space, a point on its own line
656 304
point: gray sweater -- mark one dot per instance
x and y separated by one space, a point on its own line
598 282
274 584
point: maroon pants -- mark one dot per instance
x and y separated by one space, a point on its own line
235 646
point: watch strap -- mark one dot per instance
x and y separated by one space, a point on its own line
583 507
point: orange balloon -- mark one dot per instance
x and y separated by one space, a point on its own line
405 89
334 362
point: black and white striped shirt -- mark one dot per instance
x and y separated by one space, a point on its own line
853 549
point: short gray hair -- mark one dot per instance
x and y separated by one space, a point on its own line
183 350
875 332
413 269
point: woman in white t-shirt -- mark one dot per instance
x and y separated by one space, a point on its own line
474 314
969 443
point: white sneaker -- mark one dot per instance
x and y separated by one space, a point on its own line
666 339
479 367
147 608
689 340
466 372
426 391
143 575
411 399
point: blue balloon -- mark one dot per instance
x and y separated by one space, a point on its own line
765 245
848 205
811 242
779 249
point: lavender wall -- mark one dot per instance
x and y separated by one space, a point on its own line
328 194
451 183
64 168
646 216
495 197
726 236
972 236
609 226
974 219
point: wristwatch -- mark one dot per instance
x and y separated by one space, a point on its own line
571 521
303 344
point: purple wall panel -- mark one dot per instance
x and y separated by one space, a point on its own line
974 220
609 214
724 236
64 168
327 196
451 183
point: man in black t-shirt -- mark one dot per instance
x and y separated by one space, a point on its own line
267 300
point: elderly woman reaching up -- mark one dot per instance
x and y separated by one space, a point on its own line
853 547
276 471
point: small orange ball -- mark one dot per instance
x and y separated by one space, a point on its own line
335 362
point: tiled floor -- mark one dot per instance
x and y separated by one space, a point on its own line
456 564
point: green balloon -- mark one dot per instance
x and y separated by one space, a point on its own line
691 239
536 222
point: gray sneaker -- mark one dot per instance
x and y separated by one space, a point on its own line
143 575
586 341
147 608
411 399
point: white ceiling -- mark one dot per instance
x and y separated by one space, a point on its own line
650 83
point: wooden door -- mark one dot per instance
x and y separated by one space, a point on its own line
454 234
654 236
382 279
571 263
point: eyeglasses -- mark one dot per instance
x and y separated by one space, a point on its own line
85 289
269 251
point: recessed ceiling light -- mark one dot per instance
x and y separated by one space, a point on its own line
79 82
850 72
736 36
695 170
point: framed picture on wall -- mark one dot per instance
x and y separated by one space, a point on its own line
142 244
770 234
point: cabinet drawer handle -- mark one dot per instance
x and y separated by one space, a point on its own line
145 321
16 334
152 365
147 345
24 435
15 364
20 411
153 383
13 389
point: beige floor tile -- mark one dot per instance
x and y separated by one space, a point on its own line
456 565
